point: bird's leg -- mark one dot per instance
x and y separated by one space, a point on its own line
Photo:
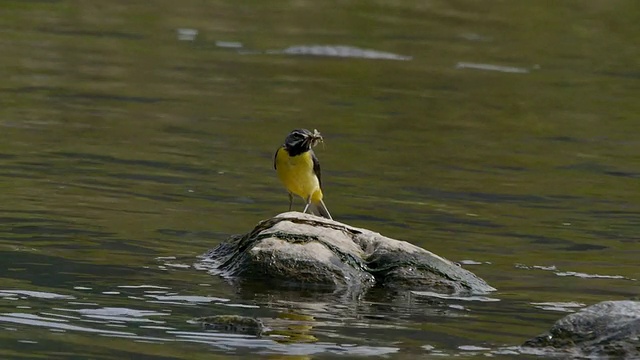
307 206
290 201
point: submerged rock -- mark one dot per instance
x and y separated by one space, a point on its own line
295 249
232 324
609 328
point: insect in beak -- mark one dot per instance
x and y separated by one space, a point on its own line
316 138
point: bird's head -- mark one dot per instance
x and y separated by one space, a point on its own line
302 139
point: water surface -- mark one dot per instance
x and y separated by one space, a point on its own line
136 136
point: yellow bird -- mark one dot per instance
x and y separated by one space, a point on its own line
299 170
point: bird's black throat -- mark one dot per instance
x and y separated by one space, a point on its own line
297 148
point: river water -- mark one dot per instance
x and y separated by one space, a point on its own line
137 135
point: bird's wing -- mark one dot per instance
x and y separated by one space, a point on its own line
316 167
274 159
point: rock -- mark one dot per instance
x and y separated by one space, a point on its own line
301 250
232 324
609 328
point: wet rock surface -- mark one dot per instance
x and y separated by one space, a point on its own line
609 328
295 249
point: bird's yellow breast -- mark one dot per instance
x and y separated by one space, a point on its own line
296 173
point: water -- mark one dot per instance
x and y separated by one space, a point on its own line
137 136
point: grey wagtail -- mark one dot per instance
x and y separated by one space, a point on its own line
299 170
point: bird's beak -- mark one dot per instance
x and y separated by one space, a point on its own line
307 141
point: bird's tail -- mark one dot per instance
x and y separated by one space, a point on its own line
320 209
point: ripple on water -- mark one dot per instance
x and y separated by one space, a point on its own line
33 294
118 314
186 299
559 306
556 271
51 323
454 297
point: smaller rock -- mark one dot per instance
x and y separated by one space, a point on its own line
609 328
232 323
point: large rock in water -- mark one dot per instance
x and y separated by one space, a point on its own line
301 250
609 328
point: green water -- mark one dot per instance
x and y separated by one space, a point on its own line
506 139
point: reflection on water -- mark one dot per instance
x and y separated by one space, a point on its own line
134 139
287 332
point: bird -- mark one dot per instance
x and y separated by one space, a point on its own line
299 170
